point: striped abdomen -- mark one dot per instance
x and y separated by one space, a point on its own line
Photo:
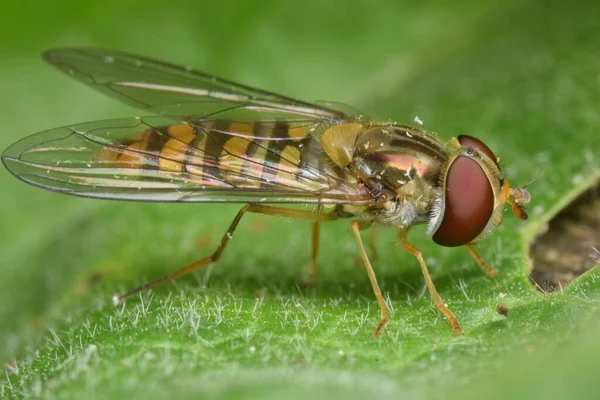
233 154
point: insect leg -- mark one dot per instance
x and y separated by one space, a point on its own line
371 244
251 208
312 266
357 226
434 294
485 266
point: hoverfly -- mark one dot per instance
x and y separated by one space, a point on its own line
212 140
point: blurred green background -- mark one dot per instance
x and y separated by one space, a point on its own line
522 76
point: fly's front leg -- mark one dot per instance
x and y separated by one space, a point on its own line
251 208
434 294
357 226
481 262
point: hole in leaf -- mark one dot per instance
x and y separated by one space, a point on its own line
570 245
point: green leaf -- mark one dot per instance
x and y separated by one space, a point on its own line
522 76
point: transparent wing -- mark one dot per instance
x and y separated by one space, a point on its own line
158 86
185 159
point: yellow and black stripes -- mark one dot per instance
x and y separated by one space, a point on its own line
267 155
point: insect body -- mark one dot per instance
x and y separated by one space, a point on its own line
217 141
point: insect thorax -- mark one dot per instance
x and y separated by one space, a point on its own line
401 167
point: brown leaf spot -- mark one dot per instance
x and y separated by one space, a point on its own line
570 245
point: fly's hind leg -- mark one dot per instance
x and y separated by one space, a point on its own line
250 208
434 294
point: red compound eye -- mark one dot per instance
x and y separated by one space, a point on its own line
469 203
477 144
